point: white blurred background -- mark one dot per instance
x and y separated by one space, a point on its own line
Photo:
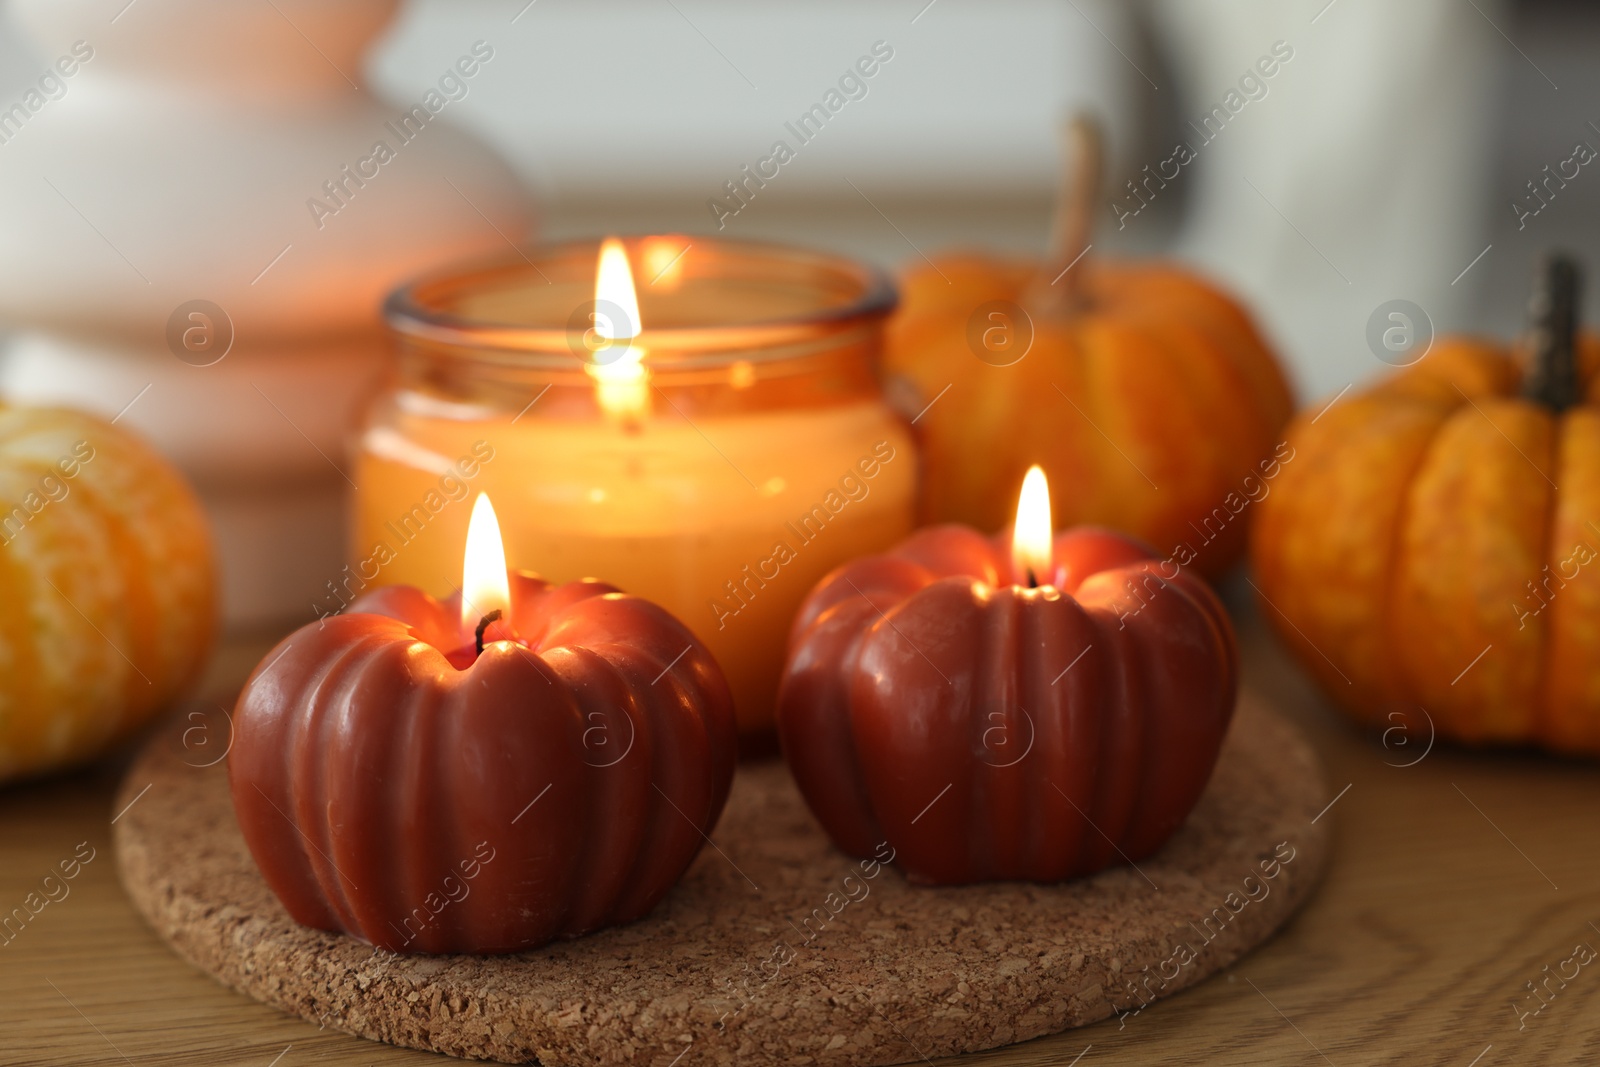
1383 159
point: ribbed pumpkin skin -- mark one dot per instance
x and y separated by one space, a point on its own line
1147 407
988 732
107 595
541 792
1397 547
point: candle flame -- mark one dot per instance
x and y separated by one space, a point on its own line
1031 549
485 588
622 382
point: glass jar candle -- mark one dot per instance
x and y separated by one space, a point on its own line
711 438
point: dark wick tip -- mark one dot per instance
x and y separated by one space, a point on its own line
1033 583
483 624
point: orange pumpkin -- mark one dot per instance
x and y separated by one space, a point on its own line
1144 391
107 593
1432 547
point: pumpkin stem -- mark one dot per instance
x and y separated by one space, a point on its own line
1083 145
1553 314
483 624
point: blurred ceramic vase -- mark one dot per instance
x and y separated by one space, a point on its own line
203 209
1336 158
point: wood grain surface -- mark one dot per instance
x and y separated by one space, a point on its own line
1455 883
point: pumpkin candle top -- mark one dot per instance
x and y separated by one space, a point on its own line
485 589
1031 553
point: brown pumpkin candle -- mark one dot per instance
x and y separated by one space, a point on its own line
1025 706
521 762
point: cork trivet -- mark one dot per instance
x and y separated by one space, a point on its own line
764 954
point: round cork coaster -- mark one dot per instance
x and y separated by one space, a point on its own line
775 948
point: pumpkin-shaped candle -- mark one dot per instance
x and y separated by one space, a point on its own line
520 762
1015 707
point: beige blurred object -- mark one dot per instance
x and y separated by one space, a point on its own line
200 227
1358 176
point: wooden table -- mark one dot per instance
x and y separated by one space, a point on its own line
1455 883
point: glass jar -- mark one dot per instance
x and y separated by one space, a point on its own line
757 455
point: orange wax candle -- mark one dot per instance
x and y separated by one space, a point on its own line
718 463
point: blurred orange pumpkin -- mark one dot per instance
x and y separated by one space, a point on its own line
107 598
1145 392
1433 548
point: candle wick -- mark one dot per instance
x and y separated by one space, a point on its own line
483 624
1033 583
